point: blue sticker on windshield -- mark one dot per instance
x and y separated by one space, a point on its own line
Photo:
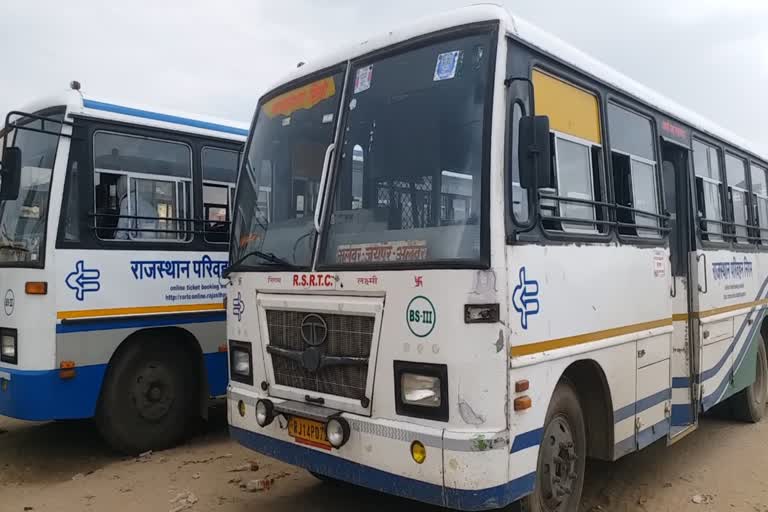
445 69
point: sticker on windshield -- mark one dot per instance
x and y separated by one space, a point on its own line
287 121
327 118
363 79
445 69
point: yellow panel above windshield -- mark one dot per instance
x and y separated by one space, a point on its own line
305 97
571 110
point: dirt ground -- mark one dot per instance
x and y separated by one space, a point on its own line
65 467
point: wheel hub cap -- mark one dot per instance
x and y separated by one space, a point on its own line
153 392
558 464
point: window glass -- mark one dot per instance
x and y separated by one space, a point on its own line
71 208
706 161
519 194
419 117
23 220
142 188
574 115
634 171
278 187
219 176
736 172
574 180
644 194
630 133
760 190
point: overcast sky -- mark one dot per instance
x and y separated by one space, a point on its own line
217 57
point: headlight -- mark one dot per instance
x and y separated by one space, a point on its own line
240 368
8 346
423 390
241 362
265 412
337 431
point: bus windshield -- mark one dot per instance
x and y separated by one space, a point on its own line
409 186
279 185
23 220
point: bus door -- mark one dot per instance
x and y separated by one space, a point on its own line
683 288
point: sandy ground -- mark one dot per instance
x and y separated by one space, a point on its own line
65 467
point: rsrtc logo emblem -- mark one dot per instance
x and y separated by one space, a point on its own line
525 298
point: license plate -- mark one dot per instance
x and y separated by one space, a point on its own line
308 432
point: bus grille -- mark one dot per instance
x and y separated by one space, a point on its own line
345 353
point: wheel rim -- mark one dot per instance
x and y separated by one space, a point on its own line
760 384
559 469
153 392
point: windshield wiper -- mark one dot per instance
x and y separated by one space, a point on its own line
266 256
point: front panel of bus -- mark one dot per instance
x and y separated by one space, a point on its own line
28 377
390 317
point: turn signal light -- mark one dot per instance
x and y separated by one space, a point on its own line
418 452
67 370
36 287
521 385
522 403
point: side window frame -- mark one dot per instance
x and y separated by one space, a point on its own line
759 232
702 221
737 239
601 208
185 222
205 222
662 227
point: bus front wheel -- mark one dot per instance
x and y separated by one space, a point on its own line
148 397
562 455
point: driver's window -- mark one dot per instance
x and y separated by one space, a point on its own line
219 177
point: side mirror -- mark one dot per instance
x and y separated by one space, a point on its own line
10 174
534 152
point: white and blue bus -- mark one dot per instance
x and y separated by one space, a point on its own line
484 257
114 225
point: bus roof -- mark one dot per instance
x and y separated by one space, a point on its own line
80 104
532 35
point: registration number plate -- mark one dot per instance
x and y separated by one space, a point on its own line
308 432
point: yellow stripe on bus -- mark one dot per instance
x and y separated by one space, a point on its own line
141 310
570 341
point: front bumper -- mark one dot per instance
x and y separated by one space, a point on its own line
42 395
462 471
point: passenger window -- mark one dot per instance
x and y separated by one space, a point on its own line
142 188
738 193
709 190
575 123
760 194
635 172
219 177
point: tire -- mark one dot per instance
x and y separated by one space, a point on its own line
149 396
565 439
749 404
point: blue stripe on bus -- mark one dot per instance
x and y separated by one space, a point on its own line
641 405
157 116
382 481
682 415
527 439
41 395
105 324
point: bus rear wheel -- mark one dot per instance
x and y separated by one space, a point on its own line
749 404
149 396
562 455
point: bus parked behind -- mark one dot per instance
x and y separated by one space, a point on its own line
114 224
